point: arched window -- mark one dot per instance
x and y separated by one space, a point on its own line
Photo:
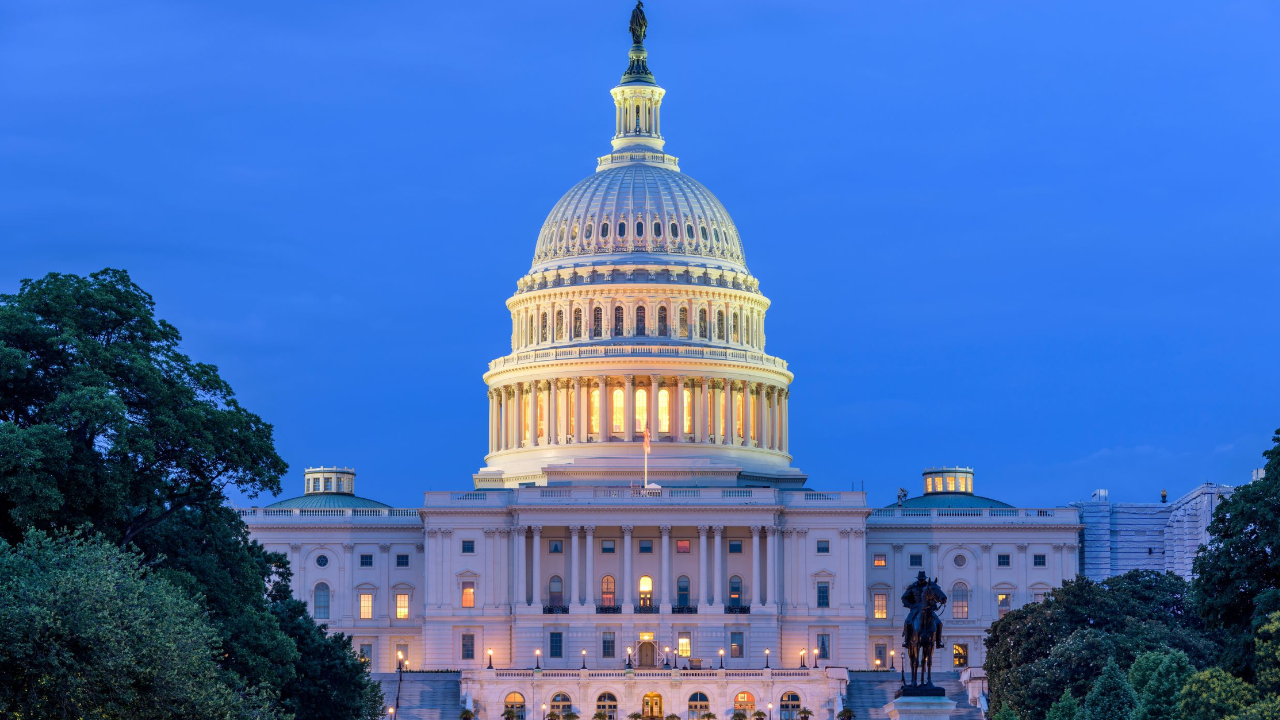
586 232
704 233
577 323
622 230
555 591
715 234
682 591
664 411
675 231
597 322
561 704
618 411
515 704
321 605
790 706
531 338
699 705
640 327
646 591
688 231
657 229
744 702
639 229
746 328
543 334
651 703
607 703
688 410
684 322
604 231
662 322
735 327
595 411
702 323
642 409
617 321
559 325
719 324
960 601
735 591
608 595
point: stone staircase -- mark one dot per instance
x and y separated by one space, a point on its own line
869 692
423 696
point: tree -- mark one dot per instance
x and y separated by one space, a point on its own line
1237 582
1065 708
739 715
1158 699
466 715
757 715
329 680
672 716
600 715
635 716
805 713
571 715
1005 713
1214 694
1110 698
845 714
1267 655
1144 667
86 631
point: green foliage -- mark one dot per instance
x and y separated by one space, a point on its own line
329 681
85 632
1265 709
1214 694
1111 698
1064 708
1158 698
1267 655
1005 713
1237 581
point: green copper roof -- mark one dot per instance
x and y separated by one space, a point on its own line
328 500
951 500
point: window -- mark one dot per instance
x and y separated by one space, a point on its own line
790 706
1038 560
824 547
322 602
744 702
880 605
402 606
403 560
555 591
577 323
703 232
960 601
328 484
683 318
366 606
543 325
594 422
468 646
675 230
646 547
662 322
719 324
402 655
824 646
735 547
555 547
735 334
879 561
735 644
882 656
607 703
559 325
688 410
586 232
607 546
640 326
366 652
617 321
657 229
618 410
688 231
639 229
468 547
1038 597
664 410
1004 603
597 322
468 594
683 547
607 647
699 705
735 591
960 561
642 409
682 591
1002 560
366 561
960 656
604 230
561 704
824 594
607 595
917 561
684 643
702 323
513 706
646 591
556 645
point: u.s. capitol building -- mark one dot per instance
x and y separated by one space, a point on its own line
723 584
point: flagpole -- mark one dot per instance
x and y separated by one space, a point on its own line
646 457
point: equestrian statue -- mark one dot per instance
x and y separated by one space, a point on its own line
922 631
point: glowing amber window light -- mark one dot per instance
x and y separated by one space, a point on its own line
619 409
595 412
642 409
688 411
664 411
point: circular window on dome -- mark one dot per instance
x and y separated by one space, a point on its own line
622 229
322 560
688 231
639 229
960 561
604 230
587 232
657 229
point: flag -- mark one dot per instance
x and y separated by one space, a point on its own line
646 441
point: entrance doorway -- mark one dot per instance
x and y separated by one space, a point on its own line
651 706
647 653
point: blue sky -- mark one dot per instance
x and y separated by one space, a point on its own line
1040 239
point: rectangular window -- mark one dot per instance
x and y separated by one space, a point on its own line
366 561
607 647
880 605
1038 560
1004 602
960 603
682 546
557 645
684 644
824 547
402 655
555 547
735 644
402 561
879 560
468 646
468 547
882 656
960 656
402 606
824 595
735 546
916 561
366 652
468 594
607 546
366 606
1002 560
646 547
824 646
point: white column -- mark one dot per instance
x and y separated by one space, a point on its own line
704 410
520 596
677 429
983 593
757 592
553 412
606 409
573 593
718 578
629 408
428 582
731 412
590 594
859 561
580 411
933 561
786 421
535 389
652 397
1024 592
664 604
537 566
703 580
518 429
771 570
717 416
491 557
775 433
492 420
626 567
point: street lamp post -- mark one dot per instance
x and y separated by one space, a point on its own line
877 663
628 657
816 657
537 659
666 658
544 711
490 658
892 653
766 662
770 706
721 658
802 654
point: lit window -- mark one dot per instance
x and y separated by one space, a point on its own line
917 561
683 546
468 646
595 409
607 645
684 644
366 561
880 605
1002 560
468 547
735 591
402 606
951 484
824 547
402 561
402 655
646 591
557 645
879 561
960 656
608 597
824 595
322 602
1038 560
555 547
607 547
1004 602
366 606
664 411
735 644
960 601
468 594
735 546
642 409
646 547
619 410
688 411
366 653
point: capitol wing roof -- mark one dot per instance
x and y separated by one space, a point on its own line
327 500
951 500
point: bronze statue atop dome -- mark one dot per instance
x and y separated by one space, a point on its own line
639 25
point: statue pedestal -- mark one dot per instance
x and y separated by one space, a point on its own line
909 707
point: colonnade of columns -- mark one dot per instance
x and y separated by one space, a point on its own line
700 409
704 322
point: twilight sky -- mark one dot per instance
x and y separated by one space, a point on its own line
1041 239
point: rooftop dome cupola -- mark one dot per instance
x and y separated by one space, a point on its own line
637 100
329 480
948 480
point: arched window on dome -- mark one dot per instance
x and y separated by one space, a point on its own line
719 324
688 231
702 323
662 322
960 601
664 411
604 231
586 232
675 231
640 326
577 323
543 335
746 327
642 409
735 327
617 321
531 338
594 426
619 410
559 325
597 322
657 229
573 232
320 608
622 229
704 233
715 235
639 229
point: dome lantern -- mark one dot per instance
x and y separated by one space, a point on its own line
637 101
329 480
948 480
